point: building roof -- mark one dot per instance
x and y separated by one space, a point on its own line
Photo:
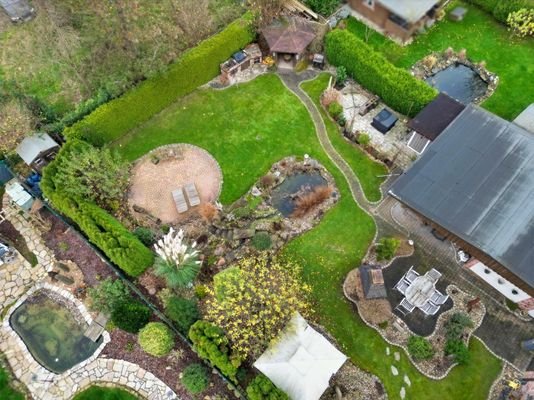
410 10
30 148
17 9
477 181
372 282
526 119
301 362
290 35
436 116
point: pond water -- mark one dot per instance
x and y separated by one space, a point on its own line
459 82
50 331
283 194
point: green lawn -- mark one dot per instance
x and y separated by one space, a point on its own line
249 127
369 173
104 393
511 58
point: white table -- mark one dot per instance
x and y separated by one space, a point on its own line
419 292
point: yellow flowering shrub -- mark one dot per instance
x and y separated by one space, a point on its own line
259 297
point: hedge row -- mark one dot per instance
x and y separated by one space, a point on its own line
195 68
104 231
396 86
500 9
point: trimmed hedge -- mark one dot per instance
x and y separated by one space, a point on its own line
104 231
396 86
261 388
194 68
500 9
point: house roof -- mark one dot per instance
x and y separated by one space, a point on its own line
436 116
526 119
30 148
477 181
410 10
290 35
301 361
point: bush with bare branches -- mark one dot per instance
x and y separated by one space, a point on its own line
329 96
207 211
267 181
430 61
308 201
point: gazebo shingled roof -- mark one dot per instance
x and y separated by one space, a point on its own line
291 36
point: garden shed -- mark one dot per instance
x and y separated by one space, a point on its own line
37 150
301 362
288 38
372 282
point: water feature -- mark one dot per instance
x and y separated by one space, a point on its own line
53 331
283 195
459 82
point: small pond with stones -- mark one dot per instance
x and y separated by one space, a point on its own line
284 195
52 330
459 82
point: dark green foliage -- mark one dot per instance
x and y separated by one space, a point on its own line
108 294
196 67
195 378
396 86
456 325
335 110
6 391
210 343
261 388
145 235
420 348
502 8
104 393
104 231
386 248
262 241
323 7
341 75
130 316
184 312
458 349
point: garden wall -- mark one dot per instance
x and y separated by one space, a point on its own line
396 86
101 228
195 68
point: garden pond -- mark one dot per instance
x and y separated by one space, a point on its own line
283 196
459 82
53 332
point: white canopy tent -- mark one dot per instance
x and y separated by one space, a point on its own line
301 361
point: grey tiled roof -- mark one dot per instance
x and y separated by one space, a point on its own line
477 181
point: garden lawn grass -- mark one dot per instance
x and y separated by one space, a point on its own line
104 393
249 127
511 58
370 173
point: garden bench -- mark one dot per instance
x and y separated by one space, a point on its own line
368 106
192 194
94 331
179 200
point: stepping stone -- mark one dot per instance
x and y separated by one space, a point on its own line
402 393
397 356
394 370
387 350
407 380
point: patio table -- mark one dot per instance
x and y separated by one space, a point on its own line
420 291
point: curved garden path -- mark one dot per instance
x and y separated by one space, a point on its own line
292 82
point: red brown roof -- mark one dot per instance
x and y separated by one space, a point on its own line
289 36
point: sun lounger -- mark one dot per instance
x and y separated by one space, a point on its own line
179 200
402 285
192 194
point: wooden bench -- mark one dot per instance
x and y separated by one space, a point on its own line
192 194
94 331
179 200
368 106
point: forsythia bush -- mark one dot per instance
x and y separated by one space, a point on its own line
501 9
522 22
196 67
257 303
210 342
396 86
104 231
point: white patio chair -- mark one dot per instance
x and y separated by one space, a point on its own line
438 298
434 275
406 305
411 275
402 285
430 309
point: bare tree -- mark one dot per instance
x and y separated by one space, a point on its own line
194 19
267 10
